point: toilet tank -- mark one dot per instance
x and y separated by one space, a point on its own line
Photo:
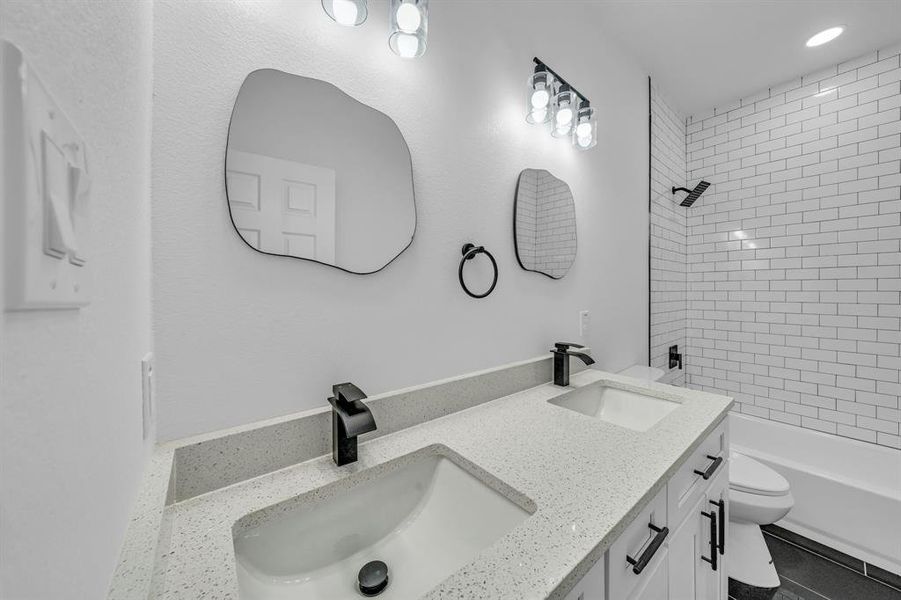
643 372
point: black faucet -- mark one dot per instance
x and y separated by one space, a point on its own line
561 354
350 418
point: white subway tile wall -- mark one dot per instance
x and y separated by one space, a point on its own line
794 253
668 237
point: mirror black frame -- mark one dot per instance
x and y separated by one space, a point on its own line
225 178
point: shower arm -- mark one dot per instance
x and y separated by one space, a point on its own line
681 189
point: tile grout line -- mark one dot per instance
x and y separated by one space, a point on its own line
866 570
814 592
826 558
817 554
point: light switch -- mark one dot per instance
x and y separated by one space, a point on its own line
56 193
46 194
80 184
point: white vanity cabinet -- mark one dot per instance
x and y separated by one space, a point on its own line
688 562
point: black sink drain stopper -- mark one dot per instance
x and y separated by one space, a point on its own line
373 578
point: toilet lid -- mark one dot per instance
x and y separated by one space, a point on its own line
748 475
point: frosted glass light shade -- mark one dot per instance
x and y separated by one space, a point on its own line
564 112
585 132
408 23
539 96
346 12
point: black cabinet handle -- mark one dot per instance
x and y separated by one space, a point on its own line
646 556
717 461
722 531
714 556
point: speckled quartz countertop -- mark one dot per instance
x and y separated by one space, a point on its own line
588 479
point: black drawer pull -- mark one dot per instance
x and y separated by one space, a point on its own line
722 531
646 556
717 461
714 556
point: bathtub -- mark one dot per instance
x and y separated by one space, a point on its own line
847 493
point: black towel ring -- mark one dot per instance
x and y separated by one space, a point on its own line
469 252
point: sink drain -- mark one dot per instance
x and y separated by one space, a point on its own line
373 578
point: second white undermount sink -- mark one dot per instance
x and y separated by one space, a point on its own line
631 410
424 517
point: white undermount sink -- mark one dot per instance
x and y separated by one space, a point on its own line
425 517
620 407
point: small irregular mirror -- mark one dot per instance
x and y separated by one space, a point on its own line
312 173
544 224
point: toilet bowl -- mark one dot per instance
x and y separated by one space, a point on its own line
758 495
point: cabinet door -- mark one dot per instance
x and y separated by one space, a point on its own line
687 577
642 541
655 587
717 582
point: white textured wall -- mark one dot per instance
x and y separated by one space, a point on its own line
668 241
241 336
71 450
793 253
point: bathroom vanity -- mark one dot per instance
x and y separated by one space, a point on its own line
676 547
495 485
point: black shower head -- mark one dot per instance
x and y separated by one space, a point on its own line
692 194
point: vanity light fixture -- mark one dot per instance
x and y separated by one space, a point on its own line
825 36
346 12
408 22
552 99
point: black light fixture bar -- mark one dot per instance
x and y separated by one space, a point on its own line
557 76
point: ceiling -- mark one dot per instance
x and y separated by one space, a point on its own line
706 53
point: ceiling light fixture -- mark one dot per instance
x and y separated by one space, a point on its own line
825 36
550 98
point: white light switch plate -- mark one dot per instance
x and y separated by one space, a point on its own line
45 194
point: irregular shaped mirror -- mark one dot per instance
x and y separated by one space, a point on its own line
544 224
312 173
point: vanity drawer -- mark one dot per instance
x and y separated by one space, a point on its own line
636 542
688 484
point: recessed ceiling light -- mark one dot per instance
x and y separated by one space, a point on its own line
827 35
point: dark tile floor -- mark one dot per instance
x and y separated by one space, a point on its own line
808 576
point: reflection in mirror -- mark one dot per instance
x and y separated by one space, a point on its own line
544 224
312 173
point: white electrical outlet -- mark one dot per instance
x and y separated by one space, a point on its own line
147 393
584 323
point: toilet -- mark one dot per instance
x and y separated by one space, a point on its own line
758 495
